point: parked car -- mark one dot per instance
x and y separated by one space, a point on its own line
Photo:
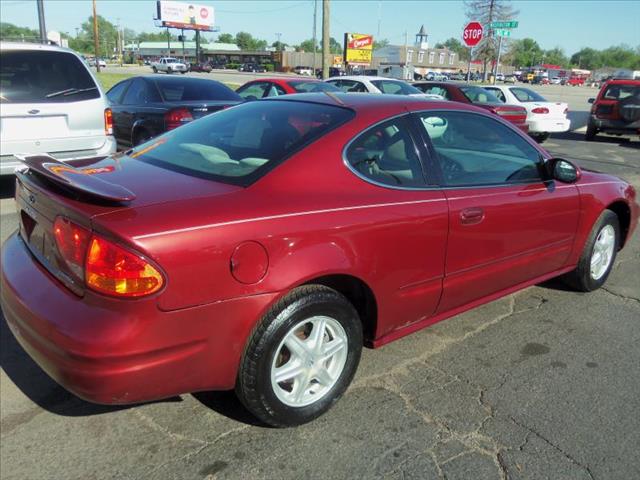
333 72
458 76
499 77
475 95
50 103
169 65
371 84
510 79
218 64
301 70
203 67
144 107
575 81
252 67
540 80
273 87
259 247
555 80
543 117
616 109
99 62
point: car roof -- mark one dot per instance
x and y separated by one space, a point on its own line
367 102
170 78
283 79
34 46
622 81
364 77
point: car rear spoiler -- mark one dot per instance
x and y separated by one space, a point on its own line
75 178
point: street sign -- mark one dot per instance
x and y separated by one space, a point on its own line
502 32
472 34
513 24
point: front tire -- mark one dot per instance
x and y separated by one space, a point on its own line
540 137
301 357
598 256
591 132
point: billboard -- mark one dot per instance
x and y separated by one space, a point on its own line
185 15
358 48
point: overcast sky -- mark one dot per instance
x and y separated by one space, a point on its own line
568 24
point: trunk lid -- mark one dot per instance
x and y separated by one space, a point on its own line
82 192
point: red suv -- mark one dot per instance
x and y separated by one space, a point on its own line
616 109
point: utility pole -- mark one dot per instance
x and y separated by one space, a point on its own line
315 34
43 28
96 40
379 18
325 38
278 36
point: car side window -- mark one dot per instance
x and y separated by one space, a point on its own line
476 150
253 91
386 154
498 93
115 94
137 94
275 90
437 90
279 89
350 86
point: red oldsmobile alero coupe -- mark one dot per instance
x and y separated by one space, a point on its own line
260 247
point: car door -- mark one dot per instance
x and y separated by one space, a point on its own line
508 224
134 107
411 266
115 100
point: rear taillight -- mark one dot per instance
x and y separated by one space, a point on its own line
177 117
540 110
103 265
72 241
108 121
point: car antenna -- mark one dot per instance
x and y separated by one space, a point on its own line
333 97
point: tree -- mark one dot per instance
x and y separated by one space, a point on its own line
587 58
9 31
246 41
383 42
226 38
621 56
524 53
307 46
334 46
486 12
456 46
556 56
155 37
279 46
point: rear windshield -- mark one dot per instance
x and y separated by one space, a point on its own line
393 87
182 90
479 95
44 77
306 87
241 144
620 92
526 95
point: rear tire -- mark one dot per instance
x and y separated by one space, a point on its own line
540 137
141 136
155 70
598 255
591 132
288 359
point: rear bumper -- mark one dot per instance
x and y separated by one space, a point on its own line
8 163
116 352
615 126
550 125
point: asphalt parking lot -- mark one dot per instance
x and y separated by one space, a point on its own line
541 384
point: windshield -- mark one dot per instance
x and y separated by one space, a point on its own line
306 87
243 143
170 60
44 77
394 87
525 95
479 95
188 89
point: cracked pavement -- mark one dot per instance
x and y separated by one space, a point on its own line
541 384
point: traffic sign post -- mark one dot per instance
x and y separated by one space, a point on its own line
472 35
501 30
512 24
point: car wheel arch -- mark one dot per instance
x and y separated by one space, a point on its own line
136 131
623 212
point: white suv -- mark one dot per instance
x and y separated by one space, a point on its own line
50 103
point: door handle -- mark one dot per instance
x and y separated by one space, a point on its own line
471 216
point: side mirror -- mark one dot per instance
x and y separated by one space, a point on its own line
591 100
562 170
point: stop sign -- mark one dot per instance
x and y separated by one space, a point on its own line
472 34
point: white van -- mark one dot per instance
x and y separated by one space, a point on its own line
50 103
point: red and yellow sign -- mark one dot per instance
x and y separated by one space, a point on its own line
358 48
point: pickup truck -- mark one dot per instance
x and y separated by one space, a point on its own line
169 65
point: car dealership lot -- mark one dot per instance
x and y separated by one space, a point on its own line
539 384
